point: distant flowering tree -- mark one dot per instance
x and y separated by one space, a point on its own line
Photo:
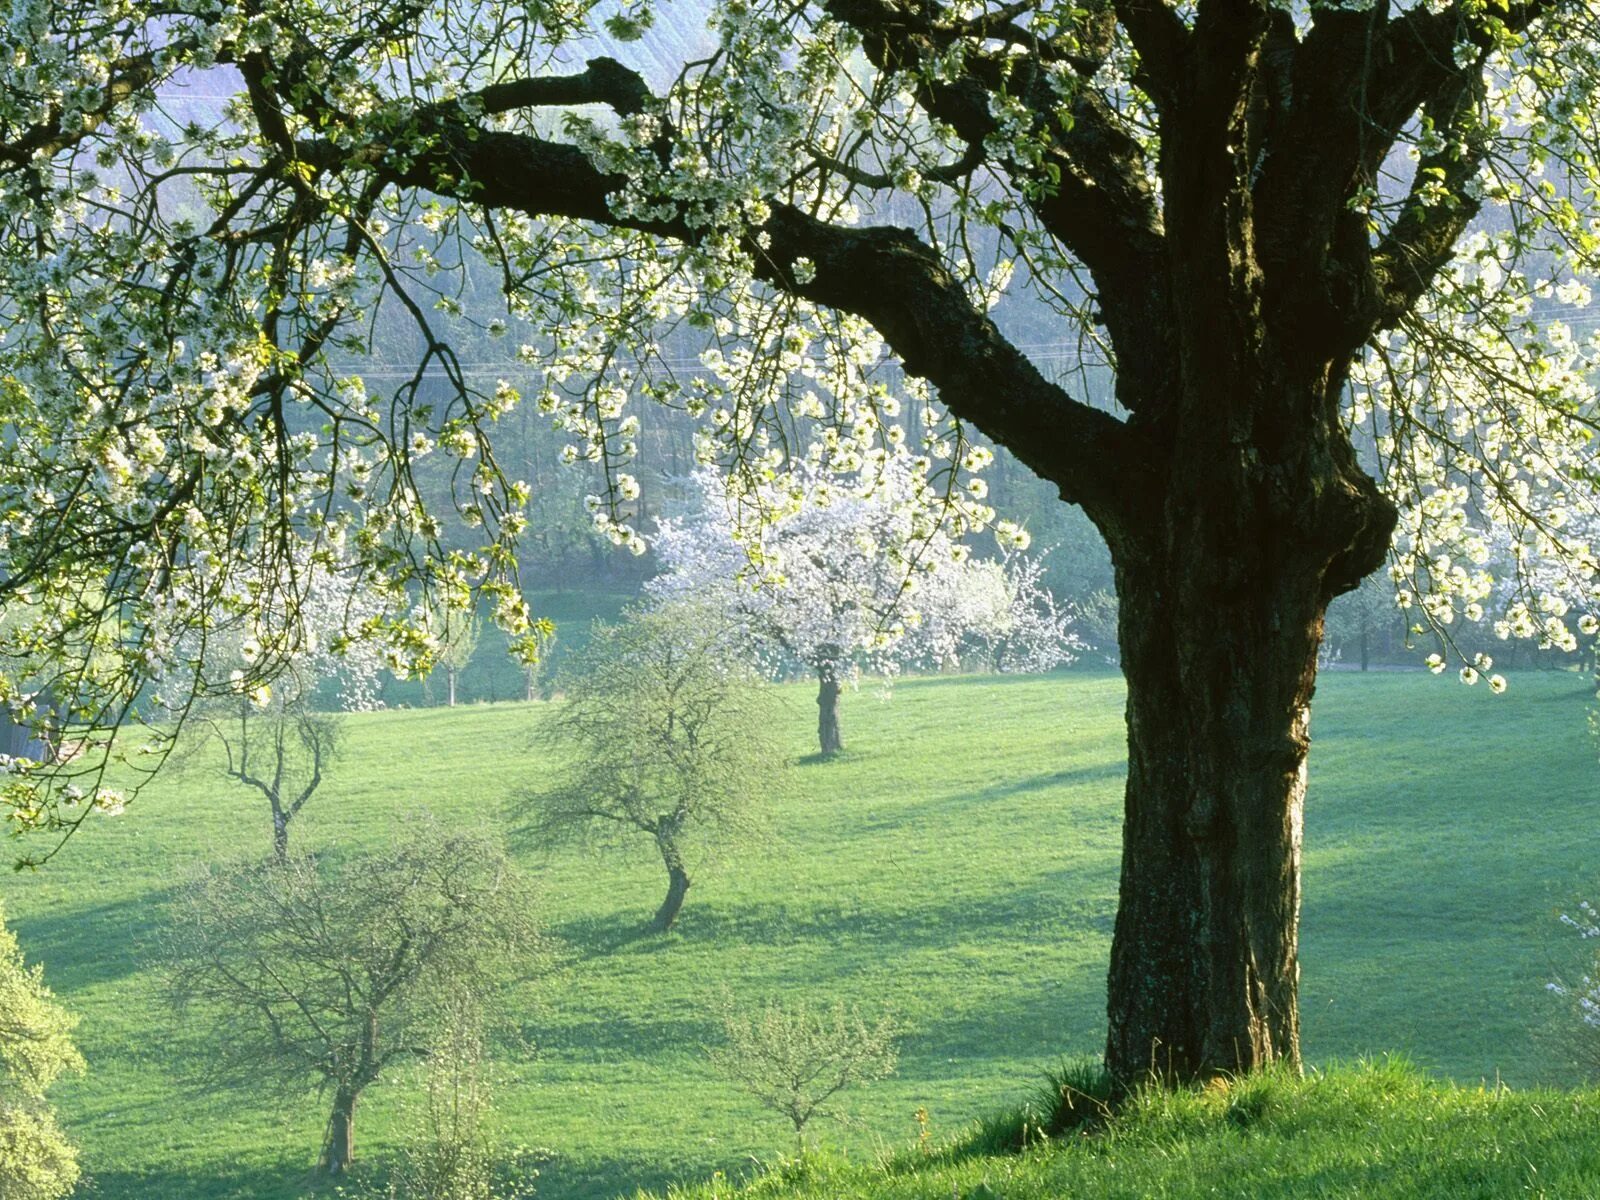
835 574
311 650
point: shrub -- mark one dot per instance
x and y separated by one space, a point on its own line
37 1162
795 1060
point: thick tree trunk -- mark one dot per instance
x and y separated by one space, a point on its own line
1223 584
677 889
340 1149
828 713
1204 970
1245 515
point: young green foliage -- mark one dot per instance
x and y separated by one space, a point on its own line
450 1151
37 1162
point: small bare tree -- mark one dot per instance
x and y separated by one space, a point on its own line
280 740
666 735
539 675
281 750
795 1059
310 973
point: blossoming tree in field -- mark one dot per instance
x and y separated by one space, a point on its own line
1334 256
845 573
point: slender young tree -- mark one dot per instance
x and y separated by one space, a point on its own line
456 632
281 739
282 753
795 1059
1323 248
665 735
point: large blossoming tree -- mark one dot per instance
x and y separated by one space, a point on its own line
1325 248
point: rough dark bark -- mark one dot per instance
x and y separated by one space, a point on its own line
677 888
829 740
339 1151
1223 583
1253 515
1203 968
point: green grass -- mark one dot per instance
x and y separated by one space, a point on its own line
1374 1131
957 864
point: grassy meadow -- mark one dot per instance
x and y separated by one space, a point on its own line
1365 1132
957 865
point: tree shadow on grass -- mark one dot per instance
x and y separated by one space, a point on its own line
1045 908
960 804
1038 1026
818 758
87 946
619 1037
627 930
589 1178
603 934
825 955
289 1180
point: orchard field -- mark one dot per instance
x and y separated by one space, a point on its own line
957 864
